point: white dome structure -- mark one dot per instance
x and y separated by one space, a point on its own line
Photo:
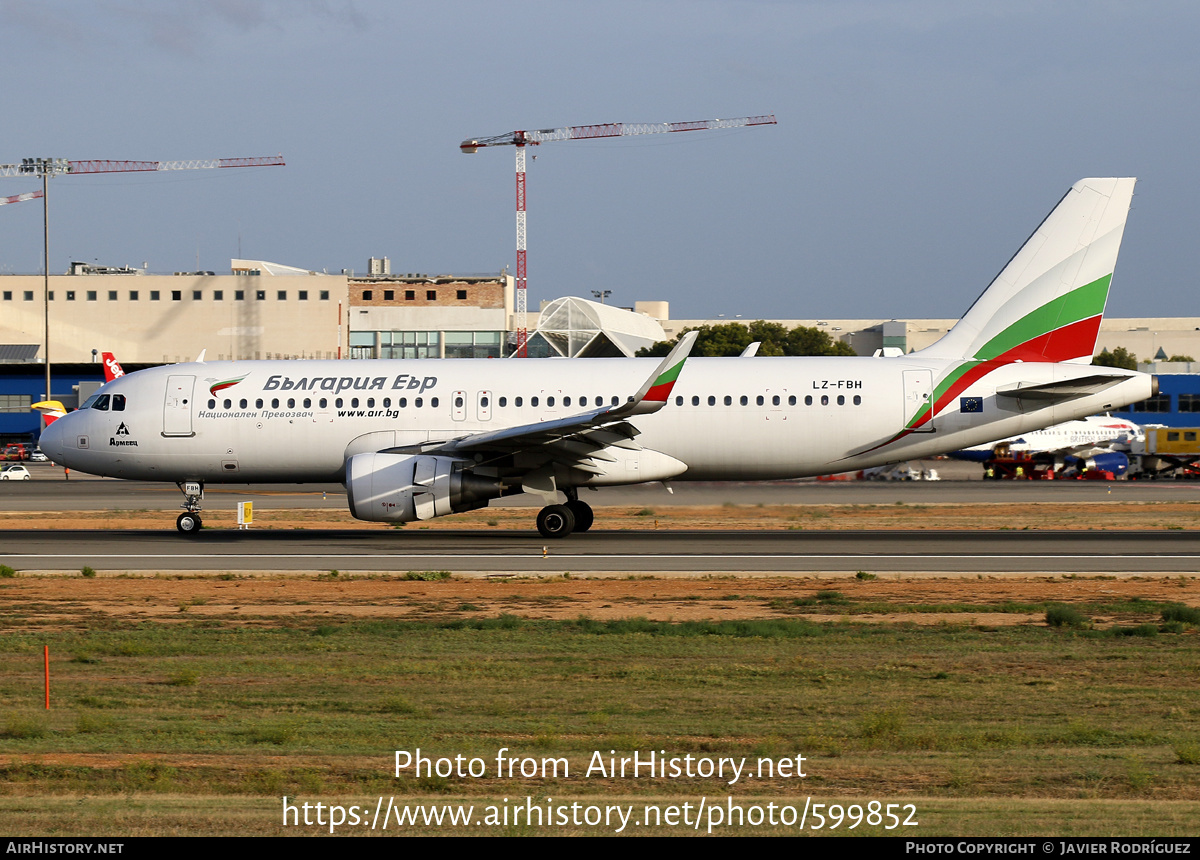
577 328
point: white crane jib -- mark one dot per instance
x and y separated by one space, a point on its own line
523 138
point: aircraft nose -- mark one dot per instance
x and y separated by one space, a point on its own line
51 441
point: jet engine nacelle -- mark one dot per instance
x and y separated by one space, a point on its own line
404 487
1114 462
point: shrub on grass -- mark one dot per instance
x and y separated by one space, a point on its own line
86 723
1066 616
1179 612
21 727
397 705
182 678
1147 631
277 734
1187 753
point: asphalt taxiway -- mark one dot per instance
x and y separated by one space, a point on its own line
48 491
614 552
599 551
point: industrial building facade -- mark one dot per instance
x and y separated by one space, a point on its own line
260 311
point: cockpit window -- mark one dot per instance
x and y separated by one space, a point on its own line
118 403
101 403
87 404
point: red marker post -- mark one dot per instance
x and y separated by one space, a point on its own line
46 661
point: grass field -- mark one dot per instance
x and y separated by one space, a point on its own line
199 714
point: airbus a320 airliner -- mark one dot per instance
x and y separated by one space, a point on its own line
417 439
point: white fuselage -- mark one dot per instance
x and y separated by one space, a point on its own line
727 418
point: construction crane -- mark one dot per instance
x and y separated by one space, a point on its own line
48 167
29 167
53 166
521 139
19 198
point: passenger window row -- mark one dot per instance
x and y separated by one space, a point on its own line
323 403
417 402
776 400
118 402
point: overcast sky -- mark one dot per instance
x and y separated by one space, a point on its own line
918 143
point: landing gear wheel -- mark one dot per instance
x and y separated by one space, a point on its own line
188 523
555 521
583 514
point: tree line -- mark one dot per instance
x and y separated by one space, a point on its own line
730 339
1123 358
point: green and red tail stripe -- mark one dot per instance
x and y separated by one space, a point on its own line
660 389
1026 340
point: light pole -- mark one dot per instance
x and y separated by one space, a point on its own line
602 294
45 168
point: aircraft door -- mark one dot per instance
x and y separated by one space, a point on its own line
483 406
918 396
458 405
177 408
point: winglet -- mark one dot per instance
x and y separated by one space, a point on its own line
656 390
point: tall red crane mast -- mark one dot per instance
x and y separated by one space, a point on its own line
521 139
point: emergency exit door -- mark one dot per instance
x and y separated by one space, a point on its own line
178 407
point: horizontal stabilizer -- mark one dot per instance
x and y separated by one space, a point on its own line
1066 389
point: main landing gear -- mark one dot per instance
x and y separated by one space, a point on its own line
558 521
189 522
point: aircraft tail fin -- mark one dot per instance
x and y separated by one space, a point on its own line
112 367
52 410
1047 303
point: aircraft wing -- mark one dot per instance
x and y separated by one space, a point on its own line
579 438
1066 389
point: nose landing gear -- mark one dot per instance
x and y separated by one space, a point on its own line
189 522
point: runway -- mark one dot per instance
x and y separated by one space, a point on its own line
601 551
659 553
49 492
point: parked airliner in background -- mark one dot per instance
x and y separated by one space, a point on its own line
112 367
1095 442
417 439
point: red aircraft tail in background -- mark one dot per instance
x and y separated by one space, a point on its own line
51 410
112 368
